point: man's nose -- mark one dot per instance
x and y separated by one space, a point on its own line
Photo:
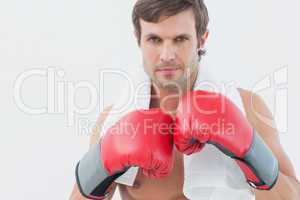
167 53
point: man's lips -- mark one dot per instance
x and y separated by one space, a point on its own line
167 70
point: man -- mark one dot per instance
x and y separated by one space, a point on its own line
171 35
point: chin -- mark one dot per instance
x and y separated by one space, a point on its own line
168 82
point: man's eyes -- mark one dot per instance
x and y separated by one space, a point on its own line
157 40
180 39
154 40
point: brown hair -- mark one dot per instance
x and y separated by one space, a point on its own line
152 10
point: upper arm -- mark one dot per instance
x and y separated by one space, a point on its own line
262 120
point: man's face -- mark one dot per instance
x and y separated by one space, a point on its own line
169 49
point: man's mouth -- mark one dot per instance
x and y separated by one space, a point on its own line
167 71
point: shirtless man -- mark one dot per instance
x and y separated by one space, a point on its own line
171 35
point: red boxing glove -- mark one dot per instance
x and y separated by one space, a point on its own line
141 138
207 117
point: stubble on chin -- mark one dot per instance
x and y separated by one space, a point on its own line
180 85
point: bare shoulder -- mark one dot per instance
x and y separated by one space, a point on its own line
260 117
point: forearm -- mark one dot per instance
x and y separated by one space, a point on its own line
94 139
76 195
286 188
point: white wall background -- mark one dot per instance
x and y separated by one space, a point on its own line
249 40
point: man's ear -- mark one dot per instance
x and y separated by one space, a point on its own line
203 39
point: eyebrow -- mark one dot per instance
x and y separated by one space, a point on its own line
149 35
